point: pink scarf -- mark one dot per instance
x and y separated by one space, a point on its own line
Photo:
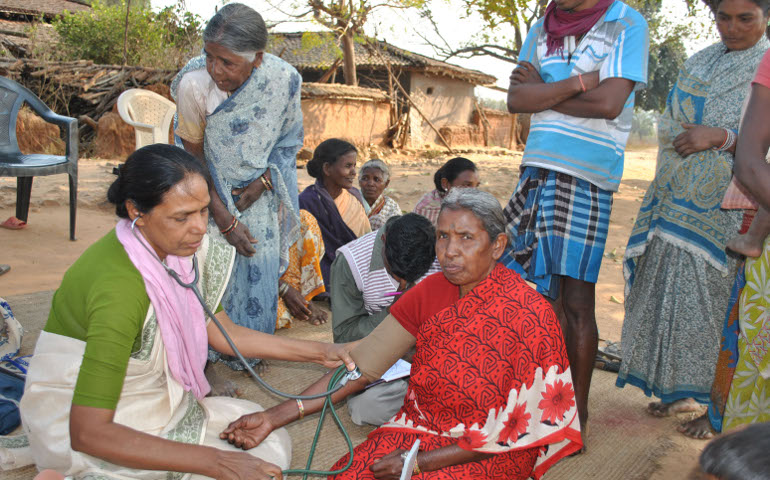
564 23
180 316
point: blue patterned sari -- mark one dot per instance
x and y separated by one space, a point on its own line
258 127
678 276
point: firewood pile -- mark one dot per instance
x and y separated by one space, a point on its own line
81 89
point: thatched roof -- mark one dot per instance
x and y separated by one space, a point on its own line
319 51
47 8
336 90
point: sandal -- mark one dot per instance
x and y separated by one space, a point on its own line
13 223
4 269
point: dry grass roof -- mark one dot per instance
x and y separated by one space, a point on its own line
319 52
48 8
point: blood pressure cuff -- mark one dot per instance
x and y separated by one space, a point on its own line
379 350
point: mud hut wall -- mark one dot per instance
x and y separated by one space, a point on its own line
445 101
501 126
361 122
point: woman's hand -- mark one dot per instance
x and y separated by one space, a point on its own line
525 73
697 138
244 466
335 354
251 192
296 303
241 239
248 431
389 467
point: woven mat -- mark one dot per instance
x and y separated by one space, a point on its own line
624 441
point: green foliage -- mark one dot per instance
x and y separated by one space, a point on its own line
494 104
667 54
644 124
162 40
666 58
140 4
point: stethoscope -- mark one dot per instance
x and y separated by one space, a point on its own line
339 379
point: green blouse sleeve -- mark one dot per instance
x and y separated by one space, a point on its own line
115 320
102 301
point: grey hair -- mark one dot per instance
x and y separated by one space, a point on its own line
376 163
238 28
482 204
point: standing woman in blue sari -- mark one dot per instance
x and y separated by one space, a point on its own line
678 276
239 112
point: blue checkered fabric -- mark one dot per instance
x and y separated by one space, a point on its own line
558 225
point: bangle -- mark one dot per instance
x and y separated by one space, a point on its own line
266 182
227 230
301 409
582 85
730 139
282 289
416 470
230 230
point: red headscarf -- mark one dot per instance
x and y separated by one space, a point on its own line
564 23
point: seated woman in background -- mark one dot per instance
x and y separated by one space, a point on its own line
457 172
333 200
373 179
302 280
116 387
490 395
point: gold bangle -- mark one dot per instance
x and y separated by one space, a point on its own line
301 409
266 182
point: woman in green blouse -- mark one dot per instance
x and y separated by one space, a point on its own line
116 386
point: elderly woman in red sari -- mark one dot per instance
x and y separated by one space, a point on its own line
490 394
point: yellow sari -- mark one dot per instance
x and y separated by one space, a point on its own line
304 270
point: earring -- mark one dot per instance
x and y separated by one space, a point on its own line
133 224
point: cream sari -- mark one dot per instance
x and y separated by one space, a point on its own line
353 213
152 401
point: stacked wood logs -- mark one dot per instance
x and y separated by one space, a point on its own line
81 89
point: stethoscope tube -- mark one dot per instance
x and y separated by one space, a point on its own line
338 380
350 375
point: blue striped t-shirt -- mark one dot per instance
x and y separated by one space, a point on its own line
588 148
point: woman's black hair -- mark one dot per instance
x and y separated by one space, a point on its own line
328 151
740 455
762 4
451 170
149 173
410 246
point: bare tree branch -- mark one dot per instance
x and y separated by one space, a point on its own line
496 51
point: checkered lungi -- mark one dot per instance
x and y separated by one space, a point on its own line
558 225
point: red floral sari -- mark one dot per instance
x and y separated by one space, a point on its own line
490 374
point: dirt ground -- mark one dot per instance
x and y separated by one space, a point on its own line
40 254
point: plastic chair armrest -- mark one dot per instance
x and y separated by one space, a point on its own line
140 125
70 127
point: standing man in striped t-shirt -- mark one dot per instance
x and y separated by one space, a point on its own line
577 73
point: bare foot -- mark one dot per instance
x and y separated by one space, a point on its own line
700 428
317 315
660 409
261 368
746 245
584 438
221 387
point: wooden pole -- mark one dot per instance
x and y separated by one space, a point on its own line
484 121
514 137
329 73
125 34
409 99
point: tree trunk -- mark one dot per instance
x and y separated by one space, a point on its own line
125 33
349 59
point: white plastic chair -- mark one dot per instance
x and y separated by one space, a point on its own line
149 113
